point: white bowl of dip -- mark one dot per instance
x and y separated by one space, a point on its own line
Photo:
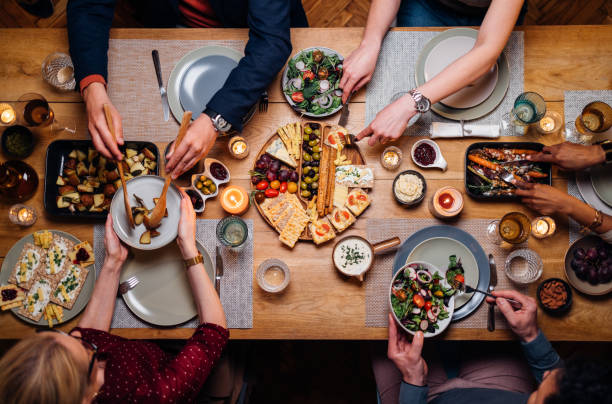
354 255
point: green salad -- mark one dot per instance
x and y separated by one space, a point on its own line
455 271
312 82
418 298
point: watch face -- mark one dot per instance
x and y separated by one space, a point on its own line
423 105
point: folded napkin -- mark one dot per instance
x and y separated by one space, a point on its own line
442 129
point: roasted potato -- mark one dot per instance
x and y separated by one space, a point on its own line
146 237
109 190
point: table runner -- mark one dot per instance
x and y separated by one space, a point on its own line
395 73
236 283
132 84
575 101
378 278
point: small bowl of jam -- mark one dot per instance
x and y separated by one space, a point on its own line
426 154
196 200
217 170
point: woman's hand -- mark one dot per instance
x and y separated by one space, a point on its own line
358 68
391 122
544 199
406 355
95 97
196 144
522 321
187 228
116 251
570 156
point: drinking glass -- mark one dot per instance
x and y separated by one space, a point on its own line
35 111
232 231
512 228
523 266
58 71
528 108
596 117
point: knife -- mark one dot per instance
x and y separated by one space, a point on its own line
345 112
219 271
162 90
492 284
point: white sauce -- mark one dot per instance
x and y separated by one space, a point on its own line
408 188
353 256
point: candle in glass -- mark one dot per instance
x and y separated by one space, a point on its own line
7 114
22 215
238 147
543 227
551 123
235 200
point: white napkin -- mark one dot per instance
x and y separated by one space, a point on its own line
442 129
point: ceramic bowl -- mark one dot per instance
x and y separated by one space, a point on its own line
564 308
218 182
416 201
439 162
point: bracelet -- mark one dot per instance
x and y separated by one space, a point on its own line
597 221
198 259
606 145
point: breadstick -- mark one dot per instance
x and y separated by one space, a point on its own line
11 306
323 178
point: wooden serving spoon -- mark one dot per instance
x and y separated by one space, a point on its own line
153 221
126 199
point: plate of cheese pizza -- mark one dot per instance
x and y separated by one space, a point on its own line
310 182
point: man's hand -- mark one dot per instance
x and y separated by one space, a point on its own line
522 321
391 122
95 97
570 156
116 251
406 355
358 68
186 228
196 144
544 199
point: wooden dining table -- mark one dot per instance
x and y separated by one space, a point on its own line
320 303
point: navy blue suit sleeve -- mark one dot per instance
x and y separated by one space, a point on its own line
89 23
266 52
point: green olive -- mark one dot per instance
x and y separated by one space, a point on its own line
212 187
306 138
207 183
314 185
316 149
315 169
313 143
303 185
317 132
205 191
316 177
308 180
307 130
306 169
305 193
316 156
306 157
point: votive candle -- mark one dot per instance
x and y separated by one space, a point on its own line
235 200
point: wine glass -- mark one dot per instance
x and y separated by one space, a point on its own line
35 111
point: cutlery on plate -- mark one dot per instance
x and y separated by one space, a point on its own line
507 176
154 219
162 90
468 289
263 102
219 274
128 285
344 115
126 198
492 284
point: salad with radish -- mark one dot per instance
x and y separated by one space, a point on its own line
419 298
311 82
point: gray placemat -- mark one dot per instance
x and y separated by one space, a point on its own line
132 84
236 283
395 73
575 101
378 278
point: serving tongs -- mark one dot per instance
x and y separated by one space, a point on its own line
157 214
126 198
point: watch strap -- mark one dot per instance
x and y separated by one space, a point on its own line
606 145
198 259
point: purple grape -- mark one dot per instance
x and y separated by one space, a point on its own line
602 252
283 175
579 253
271 176
261 165
266 158
592 276
592 253
274 166
294 177
605 274
576 263
581 273
312 136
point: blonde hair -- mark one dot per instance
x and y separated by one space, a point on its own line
41 370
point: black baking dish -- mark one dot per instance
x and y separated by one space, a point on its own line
57 153
472 179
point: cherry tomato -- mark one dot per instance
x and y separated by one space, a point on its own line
261 185
308 75
418 301
292 187
459 278
362 197
275 184
271 193
297 96
345 214
283 187
351 200
260 197
428 305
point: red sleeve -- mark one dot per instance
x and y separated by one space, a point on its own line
92 78
100 338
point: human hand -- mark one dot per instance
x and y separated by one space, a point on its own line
186 228
543 198
95 97
391 122
522 321
570 156
358 68
407 355
116 251
196 144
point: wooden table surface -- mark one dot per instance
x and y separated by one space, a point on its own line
319 303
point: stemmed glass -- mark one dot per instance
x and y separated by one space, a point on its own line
35 111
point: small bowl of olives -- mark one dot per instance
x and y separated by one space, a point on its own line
207 183
311 156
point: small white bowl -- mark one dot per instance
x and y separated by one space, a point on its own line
216 181
276 264
439 162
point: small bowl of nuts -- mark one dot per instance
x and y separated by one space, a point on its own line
555 296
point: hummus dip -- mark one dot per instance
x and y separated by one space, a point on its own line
408 188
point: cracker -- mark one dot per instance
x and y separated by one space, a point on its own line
46 285
30 271
81 275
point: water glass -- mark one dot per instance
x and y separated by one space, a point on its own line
58 71
596 117
523 266
528 108
232 231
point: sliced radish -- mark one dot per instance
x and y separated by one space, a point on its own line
296 82
410 273
323 85
431 316
338 93
416 310
300 65
424 276
435 310
424 324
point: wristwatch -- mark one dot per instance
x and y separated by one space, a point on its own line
422 103
606 145
198 259
221 125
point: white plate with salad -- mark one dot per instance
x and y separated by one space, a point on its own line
310 82
421 299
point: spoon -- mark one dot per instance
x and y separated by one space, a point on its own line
153 221
126 199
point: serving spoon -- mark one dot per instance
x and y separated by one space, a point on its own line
157 214
126 198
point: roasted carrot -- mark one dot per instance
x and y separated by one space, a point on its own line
537 174
483 162
523 151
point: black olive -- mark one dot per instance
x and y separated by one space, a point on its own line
311 173
305 146
313 136
315 163
306 82
431 328
314 191
314 126
309 187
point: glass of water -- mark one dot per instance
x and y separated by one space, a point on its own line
58 71
528 108
232 231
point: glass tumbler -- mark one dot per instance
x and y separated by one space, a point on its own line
58 71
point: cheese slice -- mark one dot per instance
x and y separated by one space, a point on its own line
340 195
278 150
63 290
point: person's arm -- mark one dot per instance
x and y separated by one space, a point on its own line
205 296
539 353
493 34
99 311
570 156
359 66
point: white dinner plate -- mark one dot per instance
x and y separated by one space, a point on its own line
146 187
163 295
601 179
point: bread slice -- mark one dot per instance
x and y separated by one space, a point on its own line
69 286
357 201
30 263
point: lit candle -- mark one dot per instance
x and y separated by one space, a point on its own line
238 147
446 203
22 215
235 200
391 158
543 227
550 123
7 114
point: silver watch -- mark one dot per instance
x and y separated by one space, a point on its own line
220 124
422 103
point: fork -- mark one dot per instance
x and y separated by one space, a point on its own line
127 285
263 102
468 289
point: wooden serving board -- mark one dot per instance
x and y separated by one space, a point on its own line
353 153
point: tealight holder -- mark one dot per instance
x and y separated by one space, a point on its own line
22 215
550 124
391 158
238 147
273 275
8 115
543 227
